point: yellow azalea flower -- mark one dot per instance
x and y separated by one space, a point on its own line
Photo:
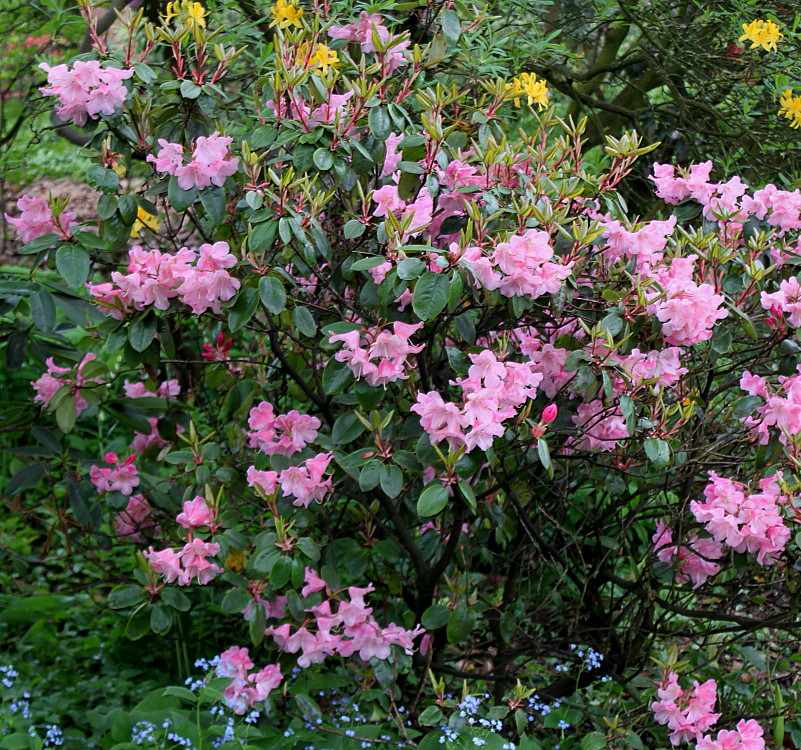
526 84
790 107
144 220
188 13
285 14
763 34
324 58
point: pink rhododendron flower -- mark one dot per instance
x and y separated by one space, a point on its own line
36 220
687 714
197 513
376 355
305 482
87 90
746 522
285 434
747 736
693 562
50 382
129 523
599 427
210 163
123 477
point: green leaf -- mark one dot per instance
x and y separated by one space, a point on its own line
235 601
410 167
365 264
243 310
308 708
545 456
213 201
190 90
335 377
106 207
410 268
73 265
391 480
593 741
160 620
43 310
450 25
658 452
25 478
323 159
304 321
128 208
180 199
102 179
430 295
432 500
176 599
460 623
125 596
370 475
257 624
379 122
262 236
353 229
272 294
347 428
65 414
142 331
435 617
181 692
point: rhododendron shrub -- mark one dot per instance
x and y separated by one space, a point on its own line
386 401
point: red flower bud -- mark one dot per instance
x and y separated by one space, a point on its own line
549 413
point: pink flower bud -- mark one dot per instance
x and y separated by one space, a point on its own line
549 413
111 458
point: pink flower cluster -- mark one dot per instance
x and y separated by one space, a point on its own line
305 482
210 164
130 523
746 736
693 562
786 302
522 266
780 411
122 477
285 434
413 217
687 714
245 689
358 631
363 31
377 355
36 220
191 561
197 513
688 311
168 389
646 245
154 278
88 90
746 522
599 427
780 208
492 392
50 383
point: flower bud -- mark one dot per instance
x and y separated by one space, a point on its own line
111 458
549 413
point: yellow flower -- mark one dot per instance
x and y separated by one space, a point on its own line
763 34
526 84
790 107
144 220
324 58
188 13
285 14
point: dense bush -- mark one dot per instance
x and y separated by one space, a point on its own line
373 417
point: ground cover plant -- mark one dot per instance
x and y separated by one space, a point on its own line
366 411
